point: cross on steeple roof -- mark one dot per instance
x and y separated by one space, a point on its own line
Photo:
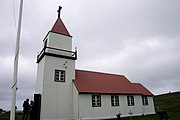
59 26
59 11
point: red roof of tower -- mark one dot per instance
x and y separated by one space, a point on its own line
103 83
60 28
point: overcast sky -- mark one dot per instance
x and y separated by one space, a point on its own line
136 38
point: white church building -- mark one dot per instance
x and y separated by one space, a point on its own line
70 94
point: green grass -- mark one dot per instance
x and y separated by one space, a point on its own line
7 116
167 102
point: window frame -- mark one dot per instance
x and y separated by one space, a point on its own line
145 101
114 100
60 73
130 100
96 100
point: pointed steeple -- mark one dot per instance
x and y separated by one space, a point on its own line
59 26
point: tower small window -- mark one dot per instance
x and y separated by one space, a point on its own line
59 76
115 100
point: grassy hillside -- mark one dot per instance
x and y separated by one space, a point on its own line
169 102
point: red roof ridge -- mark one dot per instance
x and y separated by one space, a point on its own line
98 72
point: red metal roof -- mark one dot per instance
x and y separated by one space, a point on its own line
104 83
60 28
142 89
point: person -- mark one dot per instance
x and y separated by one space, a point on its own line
26 109
31 110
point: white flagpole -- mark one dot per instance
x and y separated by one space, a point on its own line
14 86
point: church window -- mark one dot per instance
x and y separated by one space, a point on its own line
144 100
59 76
115 100
130 100
96 100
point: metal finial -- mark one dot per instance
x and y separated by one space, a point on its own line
59 10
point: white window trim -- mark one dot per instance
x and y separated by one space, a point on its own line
130 100
145 100
61 74
114 100
96 100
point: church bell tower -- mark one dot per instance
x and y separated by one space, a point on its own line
56 70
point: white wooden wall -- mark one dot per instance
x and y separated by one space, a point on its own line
86 111
56 102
